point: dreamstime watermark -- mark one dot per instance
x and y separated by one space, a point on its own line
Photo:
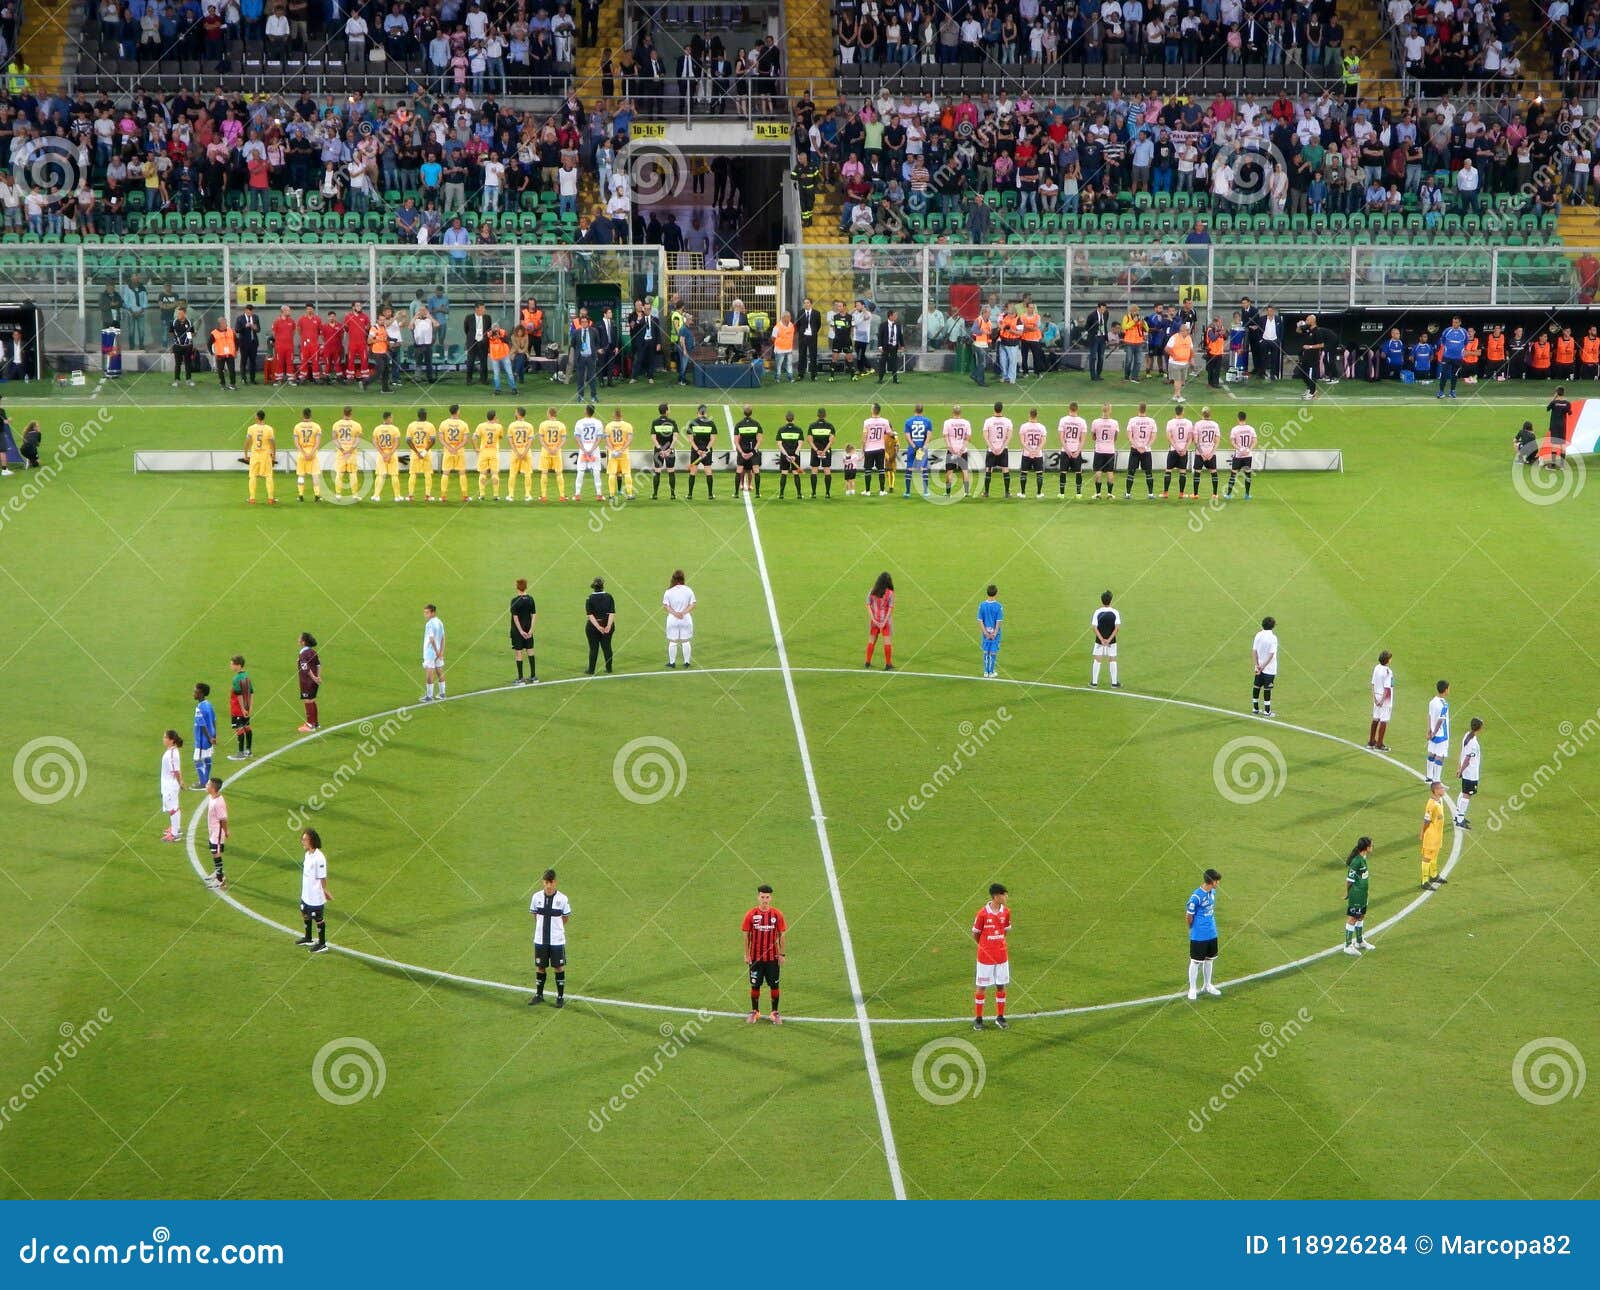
49 168
947 1071
656 171
74 437
1280 434
1274 1039
1250 168
376 735
1541 485
1548 1070
1249 769
613 504
348 1070
974 738
1574 739
49 769
74 1039
675 1037
649 769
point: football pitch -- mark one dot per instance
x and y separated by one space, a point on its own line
166 1040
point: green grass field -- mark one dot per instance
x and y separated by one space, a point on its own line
182 1038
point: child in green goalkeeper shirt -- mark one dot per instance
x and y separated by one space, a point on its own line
1355 898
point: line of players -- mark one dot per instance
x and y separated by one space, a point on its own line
1194 447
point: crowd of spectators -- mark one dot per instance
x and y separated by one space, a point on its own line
504 46
1453 43
1311 154
1306 33
705 76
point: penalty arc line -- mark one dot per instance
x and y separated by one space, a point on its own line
880 1101
511 987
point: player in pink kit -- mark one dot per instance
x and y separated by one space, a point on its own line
1104 430
1243 439
880 620
997 432
1180 437
875 432
957 439
1141 435
1207 435
1032 434
1072 430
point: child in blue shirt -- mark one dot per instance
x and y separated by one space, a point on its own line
990 614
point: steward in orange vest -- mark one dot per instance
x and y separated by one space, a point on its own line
224 349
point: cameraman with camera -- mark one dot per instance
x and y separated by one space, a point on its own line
1316 344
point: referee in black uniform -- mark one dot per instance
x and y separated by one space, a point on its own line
599 622
524 613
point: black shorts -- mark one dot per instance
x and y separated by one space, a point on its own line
1264 679
764 971
550 956
313 912
1177 460
872 459
666 458
1140 459
699 456
1356 911
822 457
1469 786
1104 461
1199 950
955 461
1072 461
996 460
1241 463
521 642
744 460
308 692
788 458
1032 463
1206 463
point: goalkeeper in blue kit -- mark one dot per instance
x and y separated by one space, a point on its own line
919 429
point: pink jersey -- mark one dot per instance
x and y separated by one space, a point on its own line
1206 435
1105 431
1180 434
1243 439
1141 433
957 434
997 433
1072 431
874 431
1032 434
216 819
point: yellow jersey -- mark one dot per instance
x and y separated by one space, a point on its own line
619 434
307 437
261 438
420 435
552 434
1432 827
386 437
519 434
453 435
486 438
347 435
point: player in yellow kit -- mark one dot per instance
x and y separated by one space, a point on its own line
891 455
453 436
386 439
486 439
520 435
346 457
619 439
307 440
420 434
1432 836
552 438
261 447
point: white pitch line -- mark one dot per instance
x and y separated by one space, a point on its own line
852 972
194 859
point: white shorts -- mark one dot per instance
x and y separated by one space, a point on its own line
1438 751
1106 651
169 798
680 629
429 664
1381 711
994 974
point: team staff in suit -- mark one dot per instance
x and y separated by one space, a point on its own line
644 330
890 341
609 342
476 329
584 343
1250 317
807 331
247 327
1096 330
